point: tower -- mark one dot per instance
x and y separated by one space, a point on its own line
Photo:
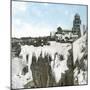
76 25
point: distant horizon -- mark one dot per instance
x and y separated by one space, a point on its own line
29 37
32 19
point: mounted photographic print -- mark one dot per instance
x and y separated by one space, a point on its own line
49 44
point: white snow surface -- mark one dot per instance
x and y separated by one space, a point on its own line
80 76
77 47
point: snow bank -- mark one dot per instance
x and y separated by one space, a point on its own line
18 80
80 60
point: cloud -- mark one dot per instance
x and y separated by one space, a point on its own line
18 7
18 22
25 29
36 12
28 30
66 12
72 17
46 4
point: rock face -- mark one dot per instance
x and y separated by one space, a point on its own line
16 49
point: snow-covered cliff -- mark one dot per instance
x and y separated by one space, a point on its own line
80 58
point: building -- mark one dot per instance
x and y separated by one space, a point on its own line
74 34
76 25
